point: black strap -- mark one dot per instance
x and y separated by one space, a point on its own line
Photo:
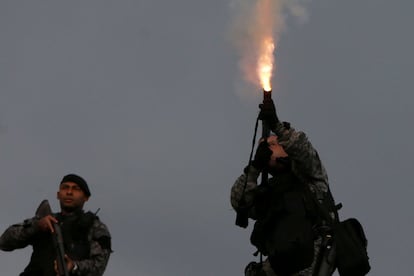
242 219
251 154
323 212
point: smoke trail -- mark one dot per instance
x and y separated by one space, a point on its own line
255 20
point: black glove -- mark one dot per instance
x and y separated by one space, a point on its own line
268 113
262 156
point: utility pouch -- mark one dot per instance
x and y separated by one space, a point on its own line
351 248
254 269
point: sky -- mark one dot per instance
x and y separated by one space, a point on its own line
145 100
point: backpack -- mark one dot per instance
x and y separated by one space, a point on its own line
349 240
351 248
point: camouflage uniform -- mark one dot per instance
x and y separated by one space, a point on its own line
306 165
98 239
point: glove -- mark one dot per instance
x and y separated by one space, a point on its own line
268 113
262 156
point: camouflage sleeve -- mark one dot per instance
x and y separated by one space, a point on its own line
239 187
305 159
18 235
100 250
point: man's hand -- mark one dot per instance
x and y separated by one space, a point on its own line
70 264
46 223
268 113
262 156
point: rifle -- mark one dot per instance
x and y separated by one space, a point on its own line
42 211
242 218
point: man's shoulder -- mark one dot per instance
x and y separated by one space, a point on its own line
98 227
100 233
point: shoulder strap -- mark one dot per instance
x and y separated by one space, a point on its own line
322 210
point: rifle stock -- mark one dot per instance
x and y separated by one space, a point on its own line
44 210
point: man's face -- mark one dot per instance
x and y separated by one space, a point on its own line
71 197
277 150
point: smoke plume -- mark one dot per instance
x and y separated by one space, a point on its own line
254 20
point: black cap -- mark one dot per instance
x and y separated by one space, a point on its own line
79 181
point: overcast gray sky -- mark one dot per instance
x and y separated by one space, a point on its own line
143 99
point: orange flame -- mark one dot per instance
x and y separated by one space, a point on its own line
265 63
266 43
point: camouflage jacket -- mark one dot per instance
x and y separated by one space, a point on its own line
98 237
306 165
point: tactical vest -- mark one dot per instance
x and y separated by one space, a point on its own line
284 227
75 229
284 194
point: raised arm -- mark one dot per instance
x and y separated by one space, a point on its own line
305 159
